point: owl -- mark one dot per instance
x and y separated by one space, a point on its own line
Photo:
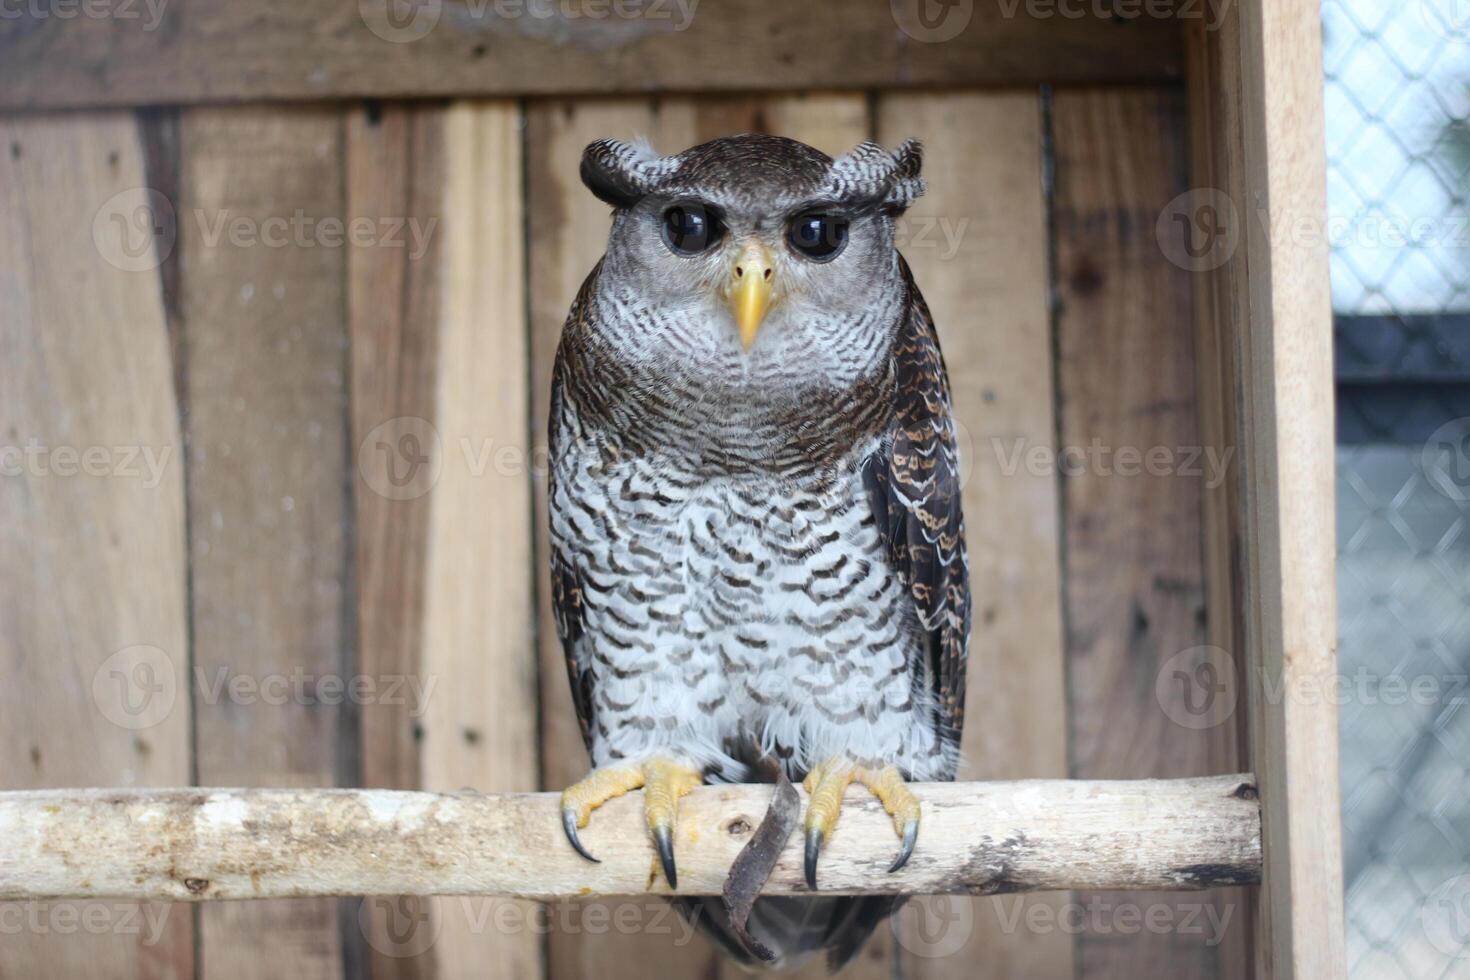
757 548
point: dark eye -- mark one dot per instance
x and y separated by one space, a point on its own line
690 228
819 236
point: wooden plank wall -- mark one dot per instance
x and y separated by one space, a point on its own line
358 490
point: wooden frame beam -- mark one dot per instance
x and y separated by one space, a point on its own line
1265 322
977 838
221 51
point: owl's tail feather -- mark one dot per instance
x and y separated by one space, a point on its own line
781 933
794 929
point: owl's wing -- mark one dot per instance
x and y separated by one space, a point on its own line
566 606
566 589
913 486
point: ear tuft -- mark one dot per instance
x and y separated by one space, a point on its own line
872 174
622 173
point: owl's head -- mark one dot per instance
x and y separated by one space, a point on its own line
755 253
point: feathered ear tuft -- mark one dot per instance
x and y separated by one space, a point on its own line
621 173
871 174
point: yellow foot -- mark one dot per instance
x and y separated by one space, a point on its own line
829 780
663 783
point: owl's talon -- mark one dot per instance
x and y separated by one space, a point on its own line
813 851
828 781
906 849
667 782
663 783
569 824
663 839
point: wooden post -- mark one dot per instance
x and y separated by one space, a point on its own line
1257 113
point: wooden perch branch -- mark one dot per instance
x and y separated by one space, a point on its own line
979 838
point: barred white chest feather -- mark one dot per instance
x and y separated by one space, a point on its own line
735 615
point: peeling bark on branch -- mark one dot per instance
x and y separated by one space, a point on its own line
978 838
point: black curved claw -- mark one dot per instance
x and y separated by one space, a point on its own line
663 837
906 849
813 851
569 824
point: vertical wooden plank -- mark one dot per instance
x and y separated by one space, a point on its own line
1270 59
93 578
263 315
568 234
394 177
480 729
1132 484
977 242
1212 114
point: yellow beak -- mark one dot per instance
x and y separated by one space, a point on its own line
749 290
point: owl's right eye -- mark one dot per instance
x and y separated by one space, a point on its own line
690 229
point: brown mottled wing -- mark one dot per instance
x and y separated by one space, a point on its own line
566 590
914 487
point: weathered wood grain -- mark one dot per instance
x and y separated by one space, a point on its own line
394 163
1269 148
480 722
1134 565
93 611
217 51
977 242
978 838
1213 112
265 335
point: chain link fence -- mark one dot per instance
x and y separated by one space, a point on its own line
1398 145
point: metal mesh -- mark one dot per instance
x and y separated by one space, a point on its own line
1398 144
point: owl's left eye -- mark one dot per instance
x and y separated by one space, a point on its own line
690 229
819 236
